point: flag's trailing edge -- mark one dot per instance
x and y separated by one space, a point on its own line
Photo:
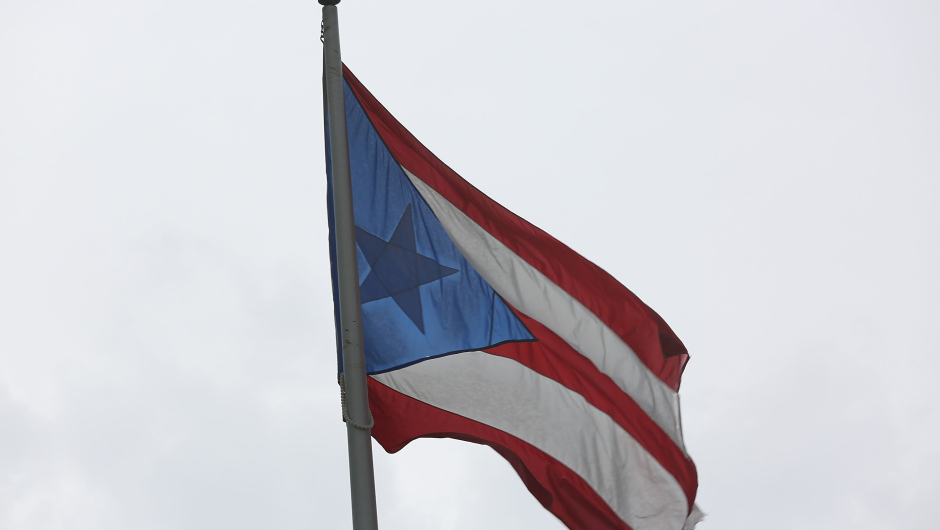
481 327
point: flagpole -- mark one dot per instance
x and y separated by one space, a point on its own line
356 412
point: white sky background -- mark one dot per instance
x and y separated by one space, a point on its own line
763 174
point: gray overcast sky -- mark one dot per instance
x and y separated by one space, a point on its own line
763 174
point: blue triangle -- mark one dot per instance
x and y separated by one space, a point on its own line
403 321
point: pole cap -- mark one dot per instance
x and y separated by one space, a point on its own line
329 2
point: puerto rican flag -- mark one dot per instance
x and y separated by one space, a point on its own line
481 327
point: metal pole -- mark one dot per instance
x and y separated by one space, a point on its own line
356 414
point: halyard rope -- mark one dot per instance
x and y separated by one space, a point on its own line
346 418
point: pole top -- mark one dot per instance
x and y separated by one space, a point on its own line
329 2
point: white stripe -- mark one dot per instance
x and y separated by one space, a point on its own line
507 395
531 292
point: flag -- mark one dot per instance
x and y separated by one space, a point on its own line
481 327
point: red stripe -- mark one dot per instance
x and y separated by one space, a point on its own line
400 419
636 324
554 358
